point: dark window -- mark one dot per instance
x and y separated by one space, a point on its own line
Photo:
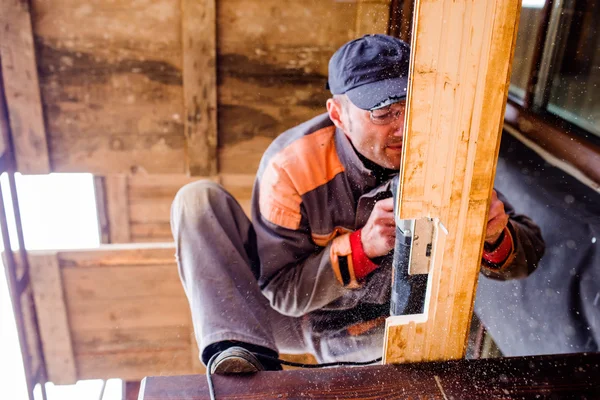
575 79
529 25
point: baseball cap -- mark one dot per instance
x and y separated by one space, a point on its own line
372 71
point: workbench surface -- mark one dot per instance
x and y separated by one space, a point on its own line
575 376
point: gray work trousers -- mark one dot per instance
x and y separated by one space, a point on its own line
215 250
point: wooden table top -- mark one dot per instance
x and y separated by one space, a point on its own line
575 376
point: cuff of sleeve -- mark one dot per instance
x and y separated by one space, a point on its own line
340 255
363 265
502 255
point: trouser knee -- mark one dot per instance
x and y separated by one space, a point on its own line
196 198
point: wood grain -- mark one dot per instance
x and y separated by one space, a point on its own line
117 206
53 319
372 16
21 85
4 126
560 376
460 66
111 81
119 98
126 310
273 60
149 198
199 30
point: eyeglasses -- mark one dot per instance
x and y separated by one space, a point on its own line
387 115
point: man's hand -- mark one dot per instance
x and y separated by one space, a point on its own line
497 219
378 236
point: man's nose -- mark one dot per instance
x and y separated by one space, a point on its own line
398 127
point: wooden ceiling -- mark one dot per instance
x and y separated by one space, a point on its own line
149 95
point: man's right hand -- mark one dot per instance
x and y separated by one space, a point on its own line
378 236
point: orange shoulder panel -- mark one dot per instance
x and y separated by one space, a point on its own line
303 166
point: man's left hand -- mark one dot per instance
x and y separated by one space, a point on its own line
497 219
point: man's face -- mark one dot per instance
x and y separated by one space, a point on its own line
377 135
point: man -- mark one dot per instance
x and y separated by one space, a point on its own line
312 272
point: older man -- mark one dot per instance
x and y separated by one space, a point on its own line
312 271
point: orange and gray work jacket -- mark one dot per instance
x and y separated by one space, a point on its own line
311 197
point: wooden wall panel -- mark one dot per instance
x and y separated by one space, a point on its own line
115 78
127 312
140 209
53 318
111 82
273 59
199 25
22 89
117 208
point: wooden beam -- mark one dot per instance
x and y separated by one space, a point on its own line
572 376
53 321
460 69
200 85
372 16
22 88
4 127
101 210
401 16
117 204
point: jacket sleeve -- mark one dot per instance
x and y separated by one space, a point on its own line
528 247
296 274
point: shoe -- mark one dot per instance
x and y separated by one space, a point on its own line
236 360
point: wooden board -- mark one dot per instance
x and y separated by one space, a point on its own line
19 70
52 316
139 205
4 127
372 16
460 66
140 86
199 25
562 376
111 82
117 208
126 310
273 59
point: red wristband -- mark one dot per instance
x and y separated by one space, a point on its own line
363 265
500 254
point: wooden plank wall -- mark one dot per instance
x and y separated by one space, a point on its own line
122 100
138 206
111 84
111 90
22 89
124 314
118 96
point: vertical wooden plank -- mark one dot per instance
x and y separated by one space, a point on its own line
460 66
372 16
117 205
4 126
22 88
101 211
401 16
199 37
49 298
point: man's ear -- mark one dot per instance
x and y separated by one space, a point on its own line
334 108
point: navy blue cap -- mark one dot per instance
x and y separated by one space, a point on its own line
372 71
